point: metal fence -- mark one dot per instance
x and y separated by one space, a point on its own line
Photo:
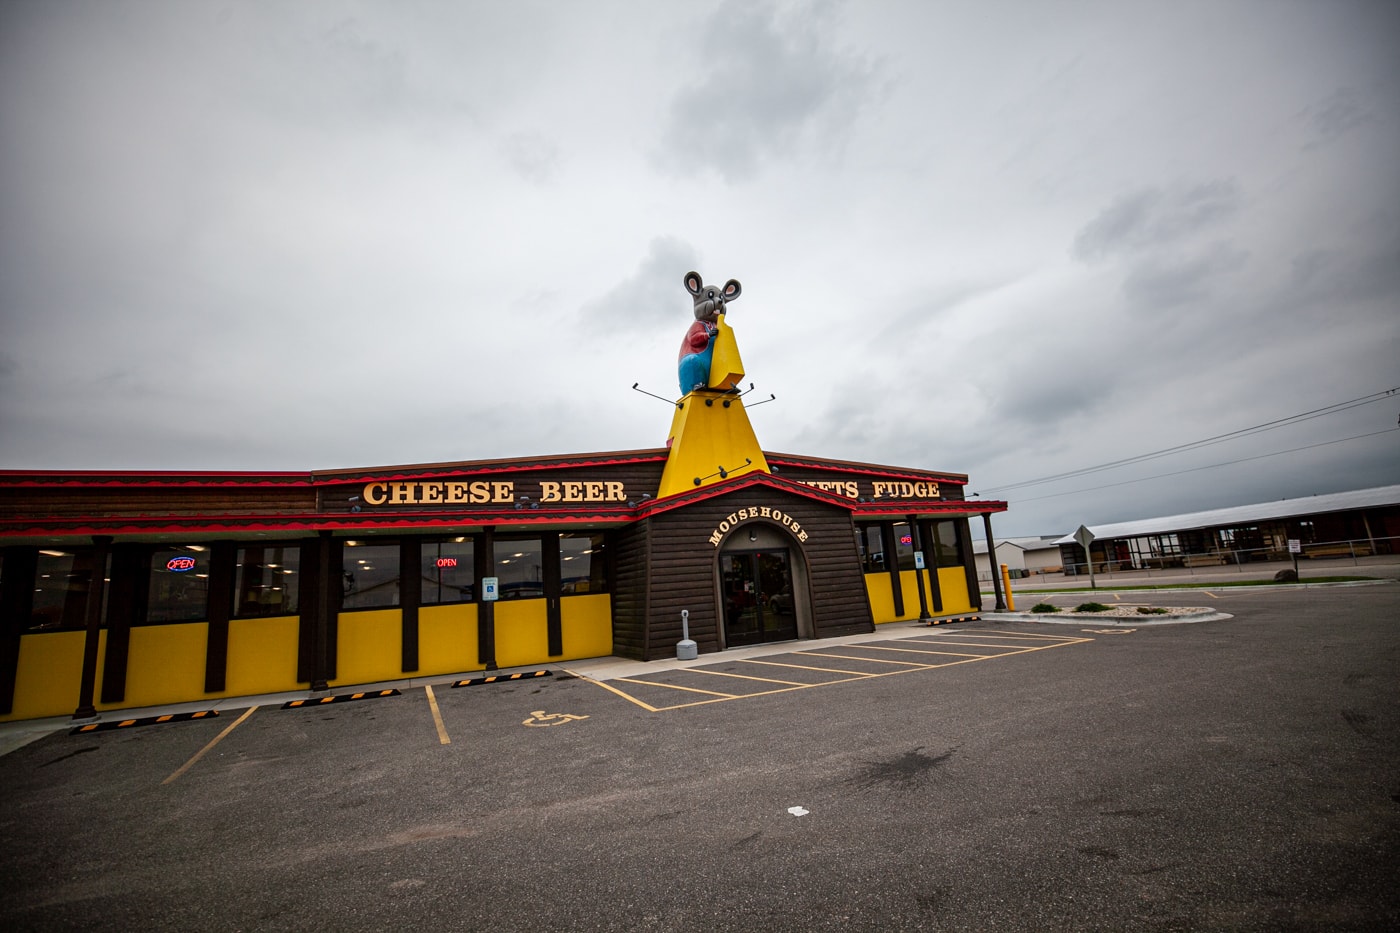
1356 552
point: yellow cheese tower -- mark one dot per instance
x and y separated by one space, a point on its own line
726 369
711 440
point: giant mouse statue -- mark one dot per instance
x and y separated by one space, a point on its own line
698 348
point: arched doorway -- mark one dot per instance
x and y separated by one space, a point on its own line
762 588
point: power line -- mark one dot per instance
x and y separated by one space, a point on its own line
1129 482
1206 442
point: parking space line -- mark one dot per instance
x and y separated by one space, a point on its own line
713 693
766 680
806 667
904 667
437 716
987 644
852 657
626 696
956 654
217 739
964 633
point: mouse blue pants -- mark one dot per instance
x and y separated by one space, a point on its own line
695 369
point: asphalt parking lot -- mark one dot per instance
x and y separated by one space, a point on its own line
1233 775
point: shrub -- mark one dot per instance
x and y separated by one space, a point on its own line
1091 607
1152 611
1044 607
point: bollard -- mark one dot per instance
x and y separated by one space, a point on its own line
686 650
1006 582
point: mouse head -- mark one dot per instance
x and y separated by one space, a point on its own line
709 299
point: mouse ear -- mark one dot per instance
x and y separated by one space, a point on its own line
693 282
732 290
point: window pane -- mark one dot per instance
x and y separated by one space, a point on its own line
268 581
60 589
946 544
179 590
371 575
449 571
583 564
872 548
904 545
519 563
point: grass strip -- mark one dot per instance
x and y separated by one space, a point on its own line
1192 586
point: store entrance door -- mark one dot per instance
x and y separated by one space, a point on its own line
756 587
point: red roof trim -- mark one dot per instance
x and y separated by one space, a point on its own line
906 507
863 469
725 487
486 467
16 479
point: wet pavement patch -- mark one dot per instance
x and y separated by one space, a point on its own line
906 770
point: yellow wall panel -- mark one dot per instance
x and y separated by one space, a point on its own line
447 639
522 633
165 664
877 588
262 656
952 581
49 674
369 647
587 626
909 586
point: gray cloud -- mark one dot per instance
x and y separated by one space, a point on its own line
1153 217
653 294
1331 276
931 310
1340 112
772 84
1159 283
532 156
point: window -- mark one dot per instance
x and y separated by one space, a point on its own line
61 581
449 571
904 545
370 575
946 551
519 566
179 588
267 582
871 544
583 565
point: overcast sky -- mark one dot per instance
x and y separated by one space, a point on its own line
1007 239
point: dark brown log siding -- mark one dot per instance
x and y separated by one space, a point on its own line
630 591
47 502
683 563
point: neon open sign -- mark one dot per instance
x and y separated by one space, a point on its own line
446 562
179 564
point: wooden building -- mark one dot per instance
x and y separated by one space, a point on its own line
124 590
